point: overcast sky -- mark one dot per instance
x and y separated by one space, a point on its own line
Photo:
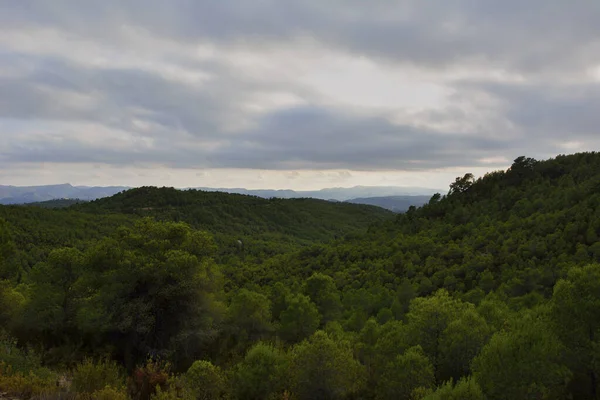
299 94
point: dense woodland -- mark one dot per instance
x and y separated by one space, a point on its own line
491 291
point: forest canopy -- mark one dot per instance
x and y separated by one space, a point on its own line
491 291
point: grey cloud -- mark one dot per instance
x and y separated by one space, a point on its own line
311 137
550 111
521 35
546 118
121 96
295 138
188 124
290 139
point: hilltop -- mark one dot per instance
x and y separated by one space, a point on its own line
60 195
393 203
517 231
243 215
336 193
265 227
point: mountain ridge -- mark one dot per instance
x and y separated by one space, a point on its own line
33 194
36 194
392 203
245 214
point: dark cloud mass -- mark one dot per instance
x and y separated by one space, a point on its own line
533 34
238 84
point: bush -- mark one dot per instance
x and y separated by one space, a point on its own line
465 389
92 377
176 390
109 393
21 373
26 385
147 379
260 374
205 380
18 361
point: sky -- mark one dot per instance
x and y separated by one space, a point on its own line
299 94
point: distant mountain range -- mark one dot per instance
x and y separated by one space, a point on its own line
33 194
393 203
339 194
393 198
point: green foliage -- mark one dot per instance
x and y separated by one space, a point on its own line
322 291
249 315
57 203
205 381
433 323
576 316
278 296
495 286
461 185
15 360
465 389
388 342
176 390
8 269
27 385
300 320
321 368
266 227
51 310
22 373
461 341
152 288
524 361
34 232
409 371
92 376
11 304
262 373
242 215
109 393
495 311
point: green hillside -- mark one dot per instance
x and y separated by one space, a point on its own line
235 214
36 231
265 227
489 292
518 231
57 203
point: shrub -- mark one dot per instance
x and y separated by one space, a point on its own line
91 377
465 389
110 393
145 380
19 361
21 373
260 374
26 385
205 380
176 390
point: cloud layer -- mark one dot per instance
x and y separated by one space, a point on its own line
296 85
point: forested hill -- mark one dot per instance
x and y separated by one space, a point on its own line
490 292
56 203
393 203
265 227
235 214
514 231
